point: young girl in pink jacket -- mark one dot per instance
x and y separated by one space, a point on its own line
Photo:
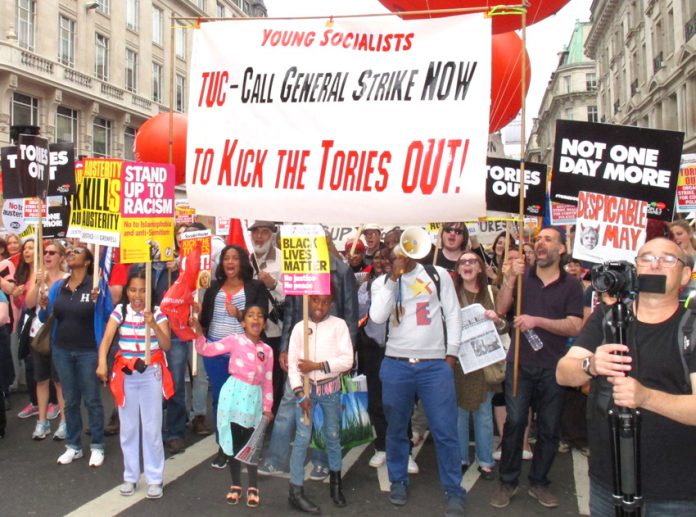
246 396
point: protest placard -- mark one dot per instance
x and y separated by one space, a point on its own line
203 240
306 266
61 171
96 205
183 213
222 226
609 227
686 188
311 123
503 186
147 212
627 161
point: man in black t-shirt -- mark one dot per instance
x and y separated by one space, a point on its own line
650 376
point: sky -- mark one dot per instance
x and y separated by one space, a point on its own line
545 39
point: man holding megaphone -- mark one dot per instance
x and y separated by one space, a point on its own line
419 302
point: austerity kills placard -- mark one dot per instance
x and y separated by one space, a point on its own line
147 212
503 186
609 227
321 123
61 170
628 161
306 268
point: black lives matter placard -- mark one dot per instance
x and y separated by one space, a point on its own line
623 161
503 186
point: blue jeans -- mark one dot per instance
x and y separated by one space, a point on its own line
483 432
601 504
176 406
77 374
537 387
217 368
331 407
433 383
278 450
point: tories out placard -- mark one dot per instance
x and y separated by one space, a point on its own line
626 161
320 123
503 186
609 227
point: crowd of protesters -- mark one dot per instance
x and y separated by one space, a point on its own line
249 337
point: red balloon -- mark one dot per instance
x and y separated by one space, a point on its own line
537 10
152 142
506 79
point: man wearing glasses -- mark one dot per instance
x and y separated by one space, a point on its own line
552 309
647 374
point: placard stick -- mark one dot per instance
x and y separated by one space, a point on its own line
148 307
523 93
95 274
361 228
305 326
569 242
194 352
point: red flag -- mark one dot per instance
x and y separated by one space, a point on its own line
236 235
177 300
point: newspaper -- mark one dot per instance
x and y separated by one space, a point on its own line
480 342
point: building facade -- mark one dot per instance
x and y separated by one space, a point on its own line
91 72
571 95
646 63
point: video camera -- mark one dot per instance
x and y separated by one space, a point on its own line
616 278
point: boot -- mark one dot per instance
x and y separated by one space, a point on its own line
298 501
336 488
113 427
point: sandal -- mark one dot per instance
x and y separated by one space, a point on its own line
234 495
253 499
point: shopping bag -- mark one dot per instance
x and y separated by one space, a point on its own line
356 428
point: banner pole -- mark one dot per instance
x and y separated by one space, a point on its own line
148 307
305 325
95 274
194 352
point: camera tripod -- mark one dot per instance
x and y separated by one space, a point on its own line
624 434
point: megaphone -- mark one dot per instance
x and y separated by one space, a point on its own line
414 243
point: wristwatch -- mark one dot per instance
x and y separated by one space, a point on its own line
586 367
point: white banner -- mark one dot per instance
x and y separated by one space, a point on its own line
304 120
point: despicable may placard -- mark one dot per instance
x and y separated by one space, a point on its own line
624 161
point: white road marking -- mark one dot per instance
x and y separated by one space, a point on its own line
112 503
582 482
471 476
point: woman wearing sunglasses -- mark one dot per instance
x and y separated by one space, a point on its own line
474 394
44 371
74 349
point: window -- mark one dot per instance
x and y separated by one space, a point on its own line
132 15
101 57
566 84
66 41
131 70
26 23
66 125
157 25
180 92
591 81
156 82
101 138
201 4
592 115
568 114
24 110
128 143
180 41
103 6
220 10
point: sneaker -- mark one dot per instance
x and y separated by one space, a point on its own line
126 489
412 466
28 411
501 497
69 455
563 447
220 461
542 494
41 431
455 506
61 432
269 470
96 459
527 455
379 459
398 493
319 473
53 411
154 491
199 427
